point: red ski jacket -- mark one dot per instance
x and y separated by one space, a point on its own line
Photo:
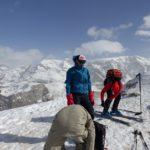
115 87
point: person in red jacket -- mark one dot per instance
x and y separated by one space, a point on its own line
113 88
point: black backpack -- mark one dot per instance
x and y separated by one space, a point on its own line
100 134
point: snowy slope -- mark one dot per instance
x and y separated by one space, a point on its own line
26 128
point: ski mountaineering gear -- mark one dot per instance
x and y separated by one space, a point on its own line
102 103
106 114
79 59
114 74
113 88
78 80
100 134
134 146
83 99
137 81
70 100
116 113
78 84
107 105
116 103
91 97
140 89
71 122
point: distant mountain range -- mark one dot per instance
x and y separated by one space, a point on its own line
52 73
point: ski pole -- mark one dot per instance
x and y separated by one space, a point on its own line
134 146
143 141
138 113
136 133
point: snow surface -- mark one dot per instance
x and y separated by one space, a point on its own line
26 128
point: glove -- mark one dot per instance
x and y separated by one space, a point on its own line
103 103
70 100
91 97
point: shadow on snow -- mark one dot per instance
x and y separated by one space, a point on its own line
43 119
11 138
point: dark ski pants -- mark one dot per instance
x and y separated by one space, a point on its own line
115 104
83 99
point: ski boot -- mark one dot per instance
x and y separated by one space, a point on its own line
105 114
116 113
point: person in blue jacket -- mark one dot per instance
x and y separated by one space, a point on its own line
78 85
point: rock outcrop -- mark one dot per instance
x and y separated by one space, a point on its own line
38 93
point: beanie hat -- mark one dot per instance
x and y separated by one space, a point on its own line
79 58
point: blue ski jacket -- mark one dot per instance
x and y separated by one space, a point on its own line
78 80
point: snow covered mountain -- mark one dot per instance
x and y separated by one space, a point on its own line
52 73
26 128
129 65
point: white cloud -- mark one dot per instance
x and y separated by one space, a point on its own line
11 57
144 29
103 33
143 33
97 48
100 33
107 33
146 24
124 26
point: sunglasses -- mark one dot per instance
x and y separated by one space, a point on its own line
82 61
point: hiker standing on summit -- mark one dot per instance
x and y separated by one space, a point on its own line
78 85
113 87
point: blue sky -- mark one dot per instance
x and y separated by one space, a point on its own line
33 29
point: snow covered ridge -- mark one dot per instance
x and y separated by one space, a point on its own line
23 78
129 65
52 74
